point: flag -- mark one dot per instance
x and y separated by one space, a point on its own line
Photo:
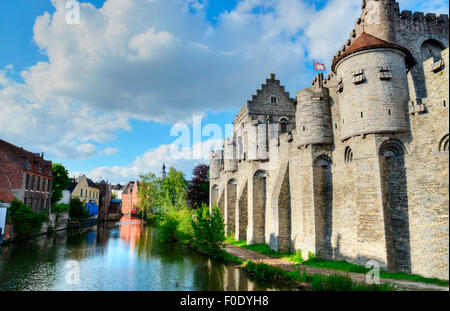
319 66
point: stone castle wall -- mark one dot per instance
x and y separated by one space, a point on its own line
361 171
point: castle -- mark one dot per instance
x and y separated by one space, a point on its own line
355 167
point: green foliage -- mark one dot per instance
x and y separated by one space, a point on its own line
25 221
60 208
175 225
77 210
159 195
209 229
332 282
60 181
298 256
114 196
341 265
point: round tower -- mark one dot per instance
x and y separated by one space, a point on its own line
313 116
215 164
373 89
378 19
230 160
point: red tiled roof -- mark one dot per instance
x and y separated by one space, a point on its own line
364 41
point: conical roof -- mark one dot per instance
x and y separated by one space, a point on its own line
366 41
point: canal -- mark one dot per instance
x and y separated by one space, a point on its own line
123 256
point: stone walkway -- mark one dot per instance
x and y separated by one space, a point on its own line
246 254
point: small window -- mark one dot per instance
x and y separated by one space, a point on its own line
438 66
358 76
335 125
348 155
445 105
340 86
304 128
273 99
389 111
362 114
385 73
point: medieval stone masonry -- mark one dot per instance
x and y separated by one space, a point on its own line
356 166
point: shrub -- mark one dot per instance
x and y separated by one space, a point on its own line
25 221
209 229
298 256
175 225
60 208
77 210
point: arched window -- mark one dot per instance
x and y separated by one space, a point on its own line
260 174
392 148
283 125
431 48
443 144
322 160
348 154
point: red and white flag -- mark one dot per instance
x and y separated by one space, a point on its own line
319 66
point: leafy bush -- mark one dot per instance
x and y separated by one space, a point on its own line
298 256
77 210
60 208
25 221
209 229
175 225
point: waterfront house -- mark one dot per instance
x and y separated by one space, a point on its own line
25 176
130 198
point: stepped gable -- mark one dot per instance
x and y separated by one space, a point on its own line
260 103
365 42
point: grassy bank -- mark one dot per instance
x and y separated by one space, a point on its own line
336 265
317 282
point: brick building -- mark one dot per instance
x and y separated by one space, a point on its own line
104 199
356 167
130 198
25 176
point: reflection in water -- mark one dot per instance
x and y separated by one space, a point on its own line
122 256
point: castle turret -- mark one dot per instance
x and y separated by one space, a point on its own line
215 164
230 159
313 117
372 86
378 19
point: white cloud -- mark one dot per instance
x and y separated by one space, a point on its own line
151 161
110 151
161 60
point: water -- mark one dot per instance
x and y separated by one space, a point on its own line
126 256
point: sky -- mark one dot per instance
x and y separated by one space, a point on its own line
103 94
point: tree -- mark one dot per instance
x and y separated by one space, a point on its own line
78 211
208 229
113 196
60 182
198 193
148 193
25 221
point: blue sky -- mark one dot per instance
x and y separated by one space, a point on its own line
102 96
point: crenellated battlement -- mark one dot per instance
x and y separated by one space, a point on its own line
419 21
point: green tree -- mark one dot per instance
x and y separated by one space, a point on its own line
208 229
148 193
25 221
60 182
78 211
